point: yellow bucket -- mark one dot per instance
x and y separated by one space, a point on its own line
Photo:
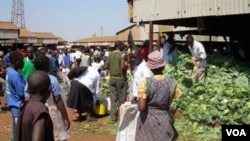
100 109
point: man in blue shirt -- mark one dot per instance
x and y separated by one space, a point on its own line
168 48
15 83
66 63
54 65
6 58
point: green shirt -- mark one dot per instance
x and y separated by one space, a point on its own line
115 59
28 68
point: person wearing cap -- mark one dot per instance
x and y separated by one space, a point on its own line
198 60
168 48
118 79
154 99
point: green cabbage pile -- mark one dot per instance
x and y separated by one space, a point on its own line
223 98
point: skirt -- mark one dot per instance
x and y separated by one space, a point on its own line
80 98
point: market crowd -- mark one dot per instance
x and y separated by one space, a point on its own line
30 82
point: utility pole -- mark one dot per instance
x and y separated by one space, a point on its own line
17 14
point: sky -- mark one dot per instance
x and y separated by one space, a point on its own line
72 19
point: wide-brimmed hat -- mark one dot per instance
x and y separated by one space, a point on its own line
155 60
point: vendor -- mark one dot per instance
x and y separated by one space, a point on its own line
198 60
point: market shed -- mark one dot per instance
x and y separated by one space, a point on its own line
45 38
8 31
95 41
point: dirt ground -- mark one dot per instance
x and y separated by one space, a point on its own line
81 131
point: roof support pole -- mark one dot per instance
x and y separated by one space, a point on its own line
150 36
210 41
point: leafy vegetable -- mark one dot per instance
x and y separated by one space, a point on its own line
224 97
104 86
189 130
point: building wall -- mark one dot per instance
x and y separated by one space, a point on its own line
141 32
110 43
123 35
177 9
9 34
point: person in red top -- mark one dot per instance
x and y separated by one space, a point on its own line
24 53
145 50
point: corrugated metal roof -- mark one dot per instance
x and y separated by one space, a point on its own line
129 27
177 9
25 33
97 39
44 35
61 40
8 25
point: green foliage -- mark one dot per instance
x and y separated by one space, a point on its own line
104 86
224 96
188 130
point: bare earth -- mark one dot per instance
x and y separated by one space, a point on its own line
81 131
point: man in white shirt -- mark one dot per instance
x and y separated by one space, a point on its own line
198 60
78 56
97 51
140 71
129 110
72 56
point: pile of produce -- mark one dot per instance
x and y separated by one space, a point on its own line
104 86
189 131
223 98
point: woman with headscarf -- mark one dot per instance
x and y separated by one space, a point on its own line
154 98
